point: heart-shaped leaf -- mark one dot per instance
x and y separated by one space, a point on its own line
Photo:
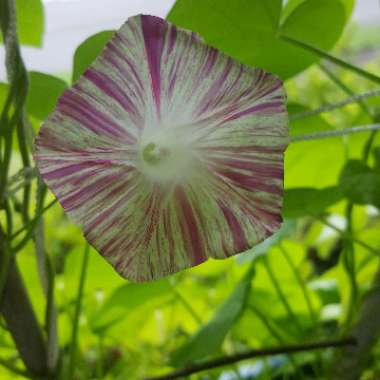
250 30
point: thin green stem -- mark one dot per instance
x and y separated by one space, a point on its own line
281 295
6 257
30 227
265 321
77 312
9 216
22 142
187 306
336 133
19 180
354 98
51 318
47 276
348 257
337 61
350 237
18 80
349 265
301 283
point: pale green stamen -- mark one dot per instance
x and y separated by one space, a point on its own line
153 154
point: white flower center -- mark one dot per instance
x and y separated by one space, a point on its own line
166 155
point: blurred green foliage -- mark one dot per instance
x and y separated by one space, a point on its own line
295 287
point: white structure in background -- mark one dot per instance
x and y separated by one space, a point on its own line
69 22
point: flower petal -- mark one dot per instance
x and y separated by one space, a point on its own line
167 152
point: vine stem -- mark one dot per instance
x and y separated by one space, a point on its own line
337 61
358 98
301 283
281 295
336 133
349 237
226 360
355 98
77 312
22 322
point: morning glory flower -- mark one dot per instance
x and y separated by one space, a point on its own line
167 152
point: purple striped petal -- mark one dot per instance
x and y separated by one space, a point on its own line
167 152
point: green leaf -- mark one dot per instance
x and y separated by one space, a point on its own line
360 184
30 22
125 299
250 30
305 161
44 91
299 202
349 7
208 339
87 51
291 5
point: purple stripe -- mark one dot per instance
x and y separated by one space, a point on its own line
189 228
238 236
84 194
172 38
255 168
115 49
211 98
250 183
75 168
154 30
257 108
69 170
111 88
127 79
